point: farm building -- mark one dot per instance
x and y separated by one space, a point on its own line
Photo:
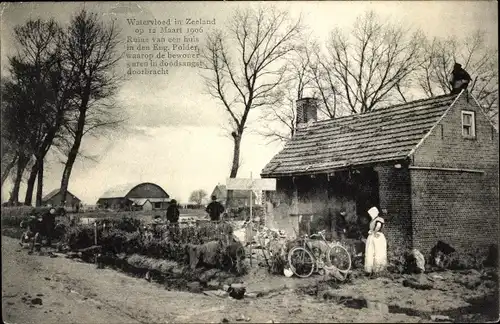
53 198
143 196
241 198
430 165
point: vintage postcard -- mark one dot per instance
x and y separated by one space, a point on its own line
249 161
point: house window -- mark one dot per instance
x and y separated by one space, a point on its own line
157 205
468 124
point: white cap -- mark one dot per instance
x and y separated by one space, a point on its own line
373 212
52 211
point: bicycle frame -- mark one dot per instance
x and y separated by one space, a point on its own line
306 239
319 263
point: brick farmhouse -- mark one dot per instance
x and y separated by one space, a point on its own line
430 165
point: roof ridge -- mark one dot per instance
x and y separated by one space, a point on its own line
55 191
324 121
422 140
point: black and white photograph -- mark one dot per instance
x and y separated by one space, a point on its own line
249 162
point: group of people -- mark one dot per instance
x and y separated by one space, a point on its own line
214 210
38 227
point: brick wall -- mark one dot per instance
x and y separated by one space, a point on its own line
395 197
452 207
460 208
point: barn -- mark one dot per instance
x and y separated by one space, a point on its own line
430 165
143 196
53 198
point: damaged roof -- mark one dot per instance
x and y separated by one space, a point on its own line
385 134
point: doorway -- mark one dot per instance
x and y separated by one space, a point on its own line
366 184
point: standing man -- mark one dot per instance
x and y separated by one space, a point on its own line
214 209
173 212
48 225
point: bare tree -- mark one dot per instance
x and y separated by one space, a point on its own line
281 117
473 54
367 66
15 128
44 88
197 196
90 50
245 66
326 86
8 147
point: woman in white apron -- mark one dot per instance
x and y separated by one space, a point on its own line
376 245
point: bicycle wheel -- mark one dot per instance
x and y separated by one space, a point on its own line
339 257
301 262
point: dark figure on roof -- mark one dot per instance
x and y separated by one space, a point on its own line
459 79
215 209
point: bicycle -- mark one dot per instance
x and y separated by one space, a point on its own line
303 260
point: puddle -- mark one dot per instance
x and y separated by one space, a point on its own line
411 312
480 310
352 302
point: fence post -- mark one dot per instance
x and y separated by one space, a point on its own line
95 239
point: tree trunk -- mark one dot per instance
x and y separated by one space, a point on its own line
39 188
235 165
22 161
236 154
40 155
73 153
31 184
8 167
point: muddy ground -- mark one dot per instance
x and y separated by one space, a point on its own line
41 289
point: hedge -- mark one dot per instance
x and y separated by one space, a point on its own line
165 242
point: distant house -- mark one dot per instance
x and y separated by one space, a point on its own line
144 196
141 204
53 198
431 165
241 198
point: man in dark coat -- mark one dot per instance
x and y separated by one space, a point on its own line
459 79
173 212
215 209
48 225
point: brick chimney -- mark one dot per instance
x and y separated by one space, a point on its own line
307 111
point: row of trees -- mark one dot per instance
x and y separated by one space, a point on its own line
60 88
264 61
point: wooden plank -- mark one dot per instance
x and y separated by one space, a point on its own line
251 184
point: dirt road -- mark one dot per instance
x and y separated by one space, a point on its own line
74 292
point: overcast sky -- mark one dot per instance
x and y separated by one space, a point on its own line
174 136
